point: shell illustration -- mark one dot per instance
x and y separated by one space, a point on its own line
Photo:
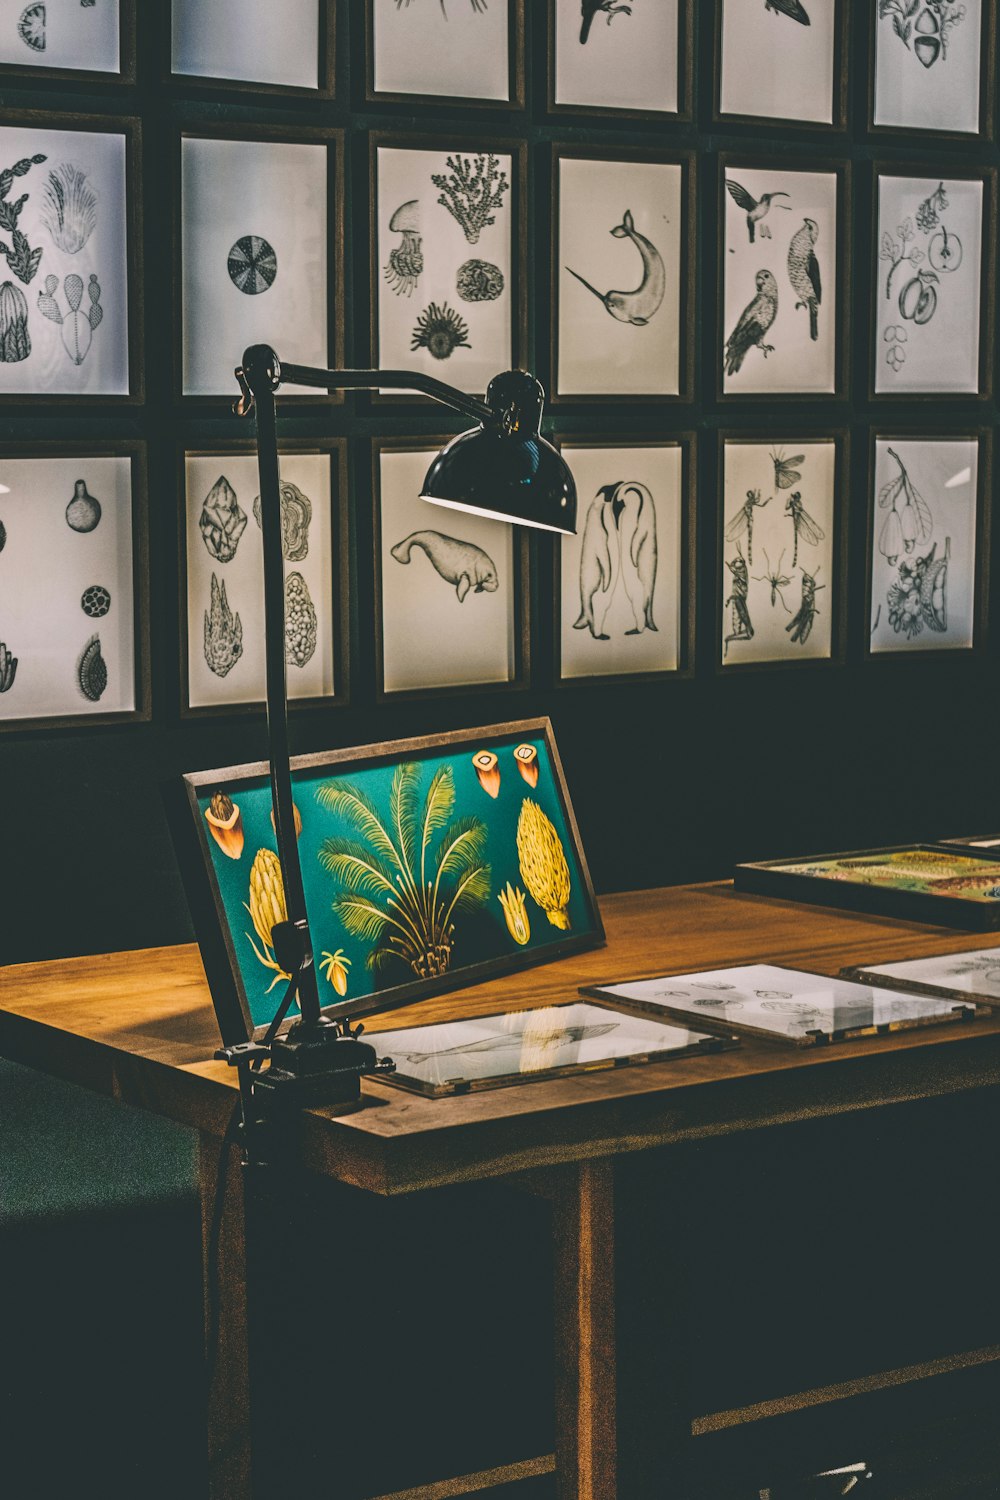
15 344
406 261
83 513
267 908
479 281
8 668
225 824
31 26
515 914
223 633
487 768
296 513
92 670
543 863
95 601
301 628
527 763
221 522
69 207
252 265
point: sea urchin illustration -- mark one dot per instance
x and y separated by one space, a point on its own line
440 330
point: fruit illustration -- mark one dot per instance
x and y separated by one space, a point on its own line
945 251
225 824
335 967
267 908
515 914
543 863
918 299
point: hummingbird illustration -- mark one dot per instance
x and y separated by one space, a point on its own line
590 8
755 209
754 322
803 272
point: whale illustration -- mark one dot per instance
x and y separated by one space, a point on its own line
460 563
639 306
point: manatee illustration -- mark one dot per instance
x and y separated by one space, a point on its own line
458 562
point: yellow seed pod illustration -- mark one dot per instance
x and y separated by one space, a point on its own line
543 863
515 914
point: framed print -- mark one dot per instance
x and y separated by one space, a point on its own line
624 585
260 253
933 284
448 258
275 48
451 587
782 281
933 66
222 576
635 60
928 543
784 62
972 976
427 864
69 320
782 550
74 612
459 52
65 39
622 278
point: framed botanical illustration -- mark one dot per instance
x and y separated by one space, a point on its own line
448 268
68 39
222 576
933 280
622 275
70 319
286 48
783 275
74 609
971 976
782 550
451 587
933 66
260 253
459 52
621 59
427 864
783 61
624 585
928 542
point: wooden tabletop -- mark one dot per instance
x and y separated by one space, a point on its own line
140 1026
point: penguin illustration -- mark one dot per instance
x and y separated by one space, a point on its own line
600 555
619 545
637 527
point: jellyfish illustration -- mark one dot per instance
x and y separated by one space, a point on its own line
406 261
440 331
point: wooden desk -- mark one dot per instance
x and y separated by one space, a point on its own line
139 1026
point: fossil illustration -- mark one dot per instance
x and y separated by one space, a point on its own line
639 306
31 26
756 209
301 627
223 633
252 265
296 514
909 520
69 207
777 581
803 273
222 521
479 281
77 327
8 668
794 9
542 862
591 9
83 513
472 191
928 23
92 670
742 522
95 601
799 629
803 525
440 330
406 260
740 624
15 344
619 546
918 596
460 563
22 260
754 322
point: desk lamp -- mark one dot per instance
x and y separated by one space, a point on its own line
502 468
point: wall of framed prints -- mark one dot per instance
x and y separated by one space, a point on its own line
749 248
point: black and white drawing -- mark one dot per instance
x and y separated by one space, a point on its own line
21 259
95 601
974 975
614 55
440 330
78 323
92 671
223 633
923 561
406 260
777 559
253 41
222 521
928 64
606 9
794 9
252 264
771 69
466 567
8 668
619 222
63 34
83 512
779 328
460 49
69 207
479 281
472 190
929 272
296 515
301 622
618 550
15 341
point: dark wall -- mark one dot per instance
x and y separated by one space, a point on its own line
672 781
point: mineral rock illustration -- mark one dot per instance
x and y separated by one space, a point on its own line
95 601
296 513
222 522
301 629
223 633
92 670
78 327
479 281
83 513
69 207
472 191
15 344
8 669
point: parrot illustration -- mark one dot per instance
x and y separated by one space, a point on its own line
589 9
754 323
791 8
803 273
755 209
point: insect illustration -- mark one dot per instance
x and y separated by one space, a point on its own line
756 209
639 306
785 474
740 622
776 579
799 629
802 524
742 522
755 320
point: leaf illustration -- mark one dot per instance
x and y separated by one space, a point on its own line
890 492
356 867
355 806
915 257
403 812
462 845
439 805
360 917
888 250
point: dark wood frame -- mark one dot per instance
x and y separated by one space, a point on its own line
326 63
984 490
685 77
767 878
987 293
131 128
868 974
521 561
333 140
336 450
126 57
838 590
687 291
134 450
786 122
515 71
687 442
465 141
221 963
841 169
987 90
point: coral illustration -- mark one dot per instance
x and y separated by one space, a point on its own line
406 260
15 343
440 330
543 863
92 670
479 281
301 632
8 669
23 261
223 633
472 190
69 208
296 513
78 327
221 522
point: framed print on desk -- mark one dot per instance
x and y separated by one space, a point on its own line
255 45
621 60
90 43
783 62
933 67
466 53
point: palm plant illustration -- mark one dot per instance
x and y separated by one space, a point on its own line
411 875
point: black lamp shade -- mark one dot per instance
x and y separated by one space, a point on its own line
518 478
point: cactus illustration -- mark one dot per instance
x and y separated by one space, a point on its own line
8 668
23 261
77 326
15 343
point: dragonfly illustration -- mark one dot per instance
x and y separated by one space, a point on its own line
802 523
742 522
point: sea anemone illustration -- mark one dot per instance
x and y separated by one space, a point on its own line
411 874
479 281
252 265
267 908
472 191
15 344
543 863
69 207
440 330
406 261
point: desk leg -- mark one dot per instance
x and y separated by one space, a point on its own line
584 1264
224 1263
